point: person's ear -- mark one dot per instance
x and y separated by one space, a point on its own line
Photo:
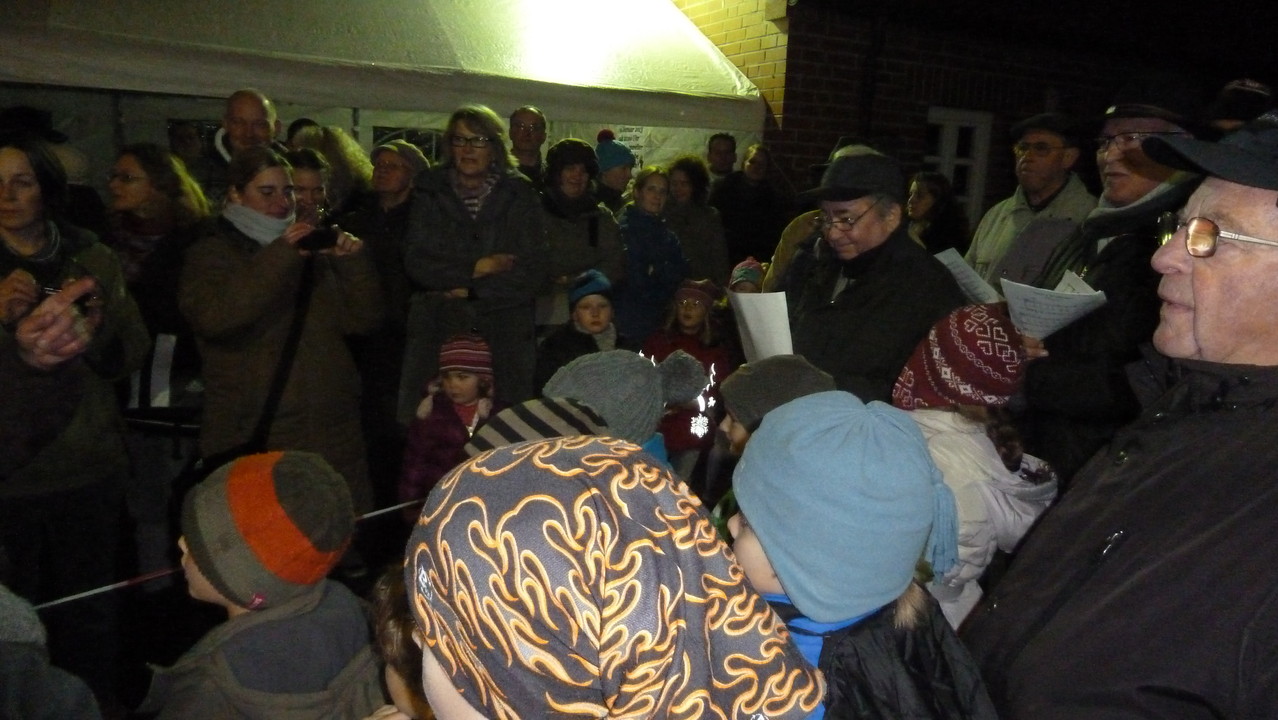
1071 157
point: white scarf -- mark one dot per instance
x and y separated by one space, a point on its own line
262 228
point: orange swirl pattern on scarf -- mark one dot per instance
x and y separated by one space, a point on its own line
574 577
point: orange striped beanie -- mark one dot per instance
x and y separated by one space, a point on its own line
266 528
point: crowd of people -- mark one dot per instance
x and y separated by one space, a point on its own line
525 361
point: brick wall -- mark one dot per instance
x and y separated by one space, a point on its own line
754 44
842 75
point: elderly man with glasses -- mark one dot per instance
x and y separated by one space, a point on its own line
1149 590
1078 395
1048 203
872 293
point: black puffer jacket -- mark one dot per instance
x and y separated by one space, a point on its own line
874 669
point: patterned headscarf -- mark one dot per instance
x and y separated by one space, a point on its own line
572 577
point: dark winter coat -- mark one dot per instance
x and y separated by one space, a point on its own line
654 268
864 335
566 344
436 445
874 669
1148 590
1078 395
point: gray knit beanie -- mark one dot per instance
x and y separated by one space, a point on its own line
628 390
758 387
266 528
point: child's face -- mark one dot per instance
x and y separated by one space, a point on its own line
460 386
750 555
197 585
691 316
593 313
736 432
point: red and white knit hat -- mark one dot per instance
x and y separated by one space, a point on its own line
468 353
973 356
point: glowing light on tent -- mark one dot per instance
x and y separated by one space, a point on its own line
584 42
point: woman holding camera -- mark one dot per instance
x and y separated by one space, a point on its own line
60 495
242 286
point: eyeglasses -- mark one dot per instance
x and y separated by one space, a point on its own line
1128 141
475 141
528 127
846 223
1037 149
1202 235
124 177
391 165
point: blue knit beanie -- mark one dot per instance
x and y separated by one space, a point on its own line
845 499
611 153
590 282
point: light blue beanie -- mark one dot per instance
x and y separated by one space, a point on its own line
612 153
845 499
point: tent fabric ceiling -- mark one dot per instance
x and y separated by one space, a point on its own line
638 60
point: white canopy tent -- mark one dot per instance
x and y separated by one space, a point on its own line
129 65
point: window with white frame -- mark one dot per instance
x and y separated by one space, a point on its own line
958 145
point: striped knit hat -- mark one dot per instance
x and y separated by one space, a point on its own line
467 352
973 356
538 419
266 528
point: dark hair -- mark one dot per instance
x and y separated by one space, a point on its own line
569 151
1001 431
307 159
49 173
722 136
298 125
528 109
247 163
393 627
760 148
167 173
947 218
698 174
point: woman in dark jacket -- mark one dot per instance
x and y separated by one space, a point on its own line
476 256
580 231
239 291
59 508
655 264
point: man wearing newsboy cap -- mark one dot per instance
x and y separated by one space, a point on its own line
1151 590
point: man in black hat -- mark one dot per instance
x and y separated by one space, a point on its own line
873 293
1078 395
1049 196
1149 590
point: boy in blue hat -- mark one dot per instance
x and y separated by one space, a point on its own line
839 500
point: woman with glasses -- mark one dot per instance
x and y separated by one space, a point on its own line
156 211
475 254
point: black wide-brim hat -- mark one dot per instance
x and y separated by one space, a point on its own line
1247 156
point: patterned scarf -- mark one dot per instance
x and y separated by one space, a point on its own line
573 577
